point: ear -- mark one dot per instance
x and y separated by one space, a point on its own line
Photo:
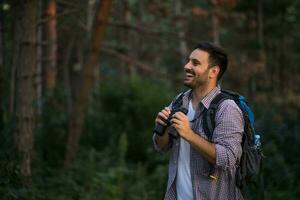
214 71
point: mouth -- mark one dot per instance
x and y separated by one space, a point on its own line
189 75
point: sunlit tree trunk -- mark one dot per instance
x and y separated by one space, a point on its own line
26 18
81 102
49 52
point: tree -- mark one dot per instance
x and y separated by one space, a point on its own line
49 50
1 67
25 20
81 102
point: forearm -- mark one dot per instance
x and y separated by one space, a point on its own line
204 147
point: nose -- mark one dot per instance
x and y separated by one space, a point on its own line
188 65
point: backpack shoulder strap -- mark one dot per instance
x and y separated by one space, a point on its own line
177 101
209 116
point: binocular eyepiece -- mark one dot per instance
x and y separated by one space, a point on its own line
160 129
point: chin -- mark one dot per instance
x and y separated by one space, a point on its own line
189 85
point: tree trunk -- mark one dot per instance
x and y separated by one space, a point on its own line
39 77
1 68
50 47
90 16
26 19
181 27
260 30
81 102
215 25
66 73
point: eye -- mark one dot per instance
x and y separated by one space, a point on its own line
195 62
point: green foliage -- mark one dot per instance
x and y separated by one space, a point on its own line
116 159
51 131
125 107
281 147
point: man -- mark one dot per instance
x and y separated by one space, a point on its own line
198 168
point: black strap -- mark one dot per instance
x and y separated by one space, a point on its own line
177 102
209 116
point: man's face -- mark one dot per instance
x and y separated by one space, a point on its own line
197 70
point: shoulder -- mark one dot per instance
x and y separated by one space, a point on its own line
229 108
229 116
181 95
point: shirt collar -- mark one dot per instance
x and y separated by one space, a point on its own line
207 99
210 96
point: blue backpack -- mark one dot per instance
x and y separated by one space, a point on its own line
250 167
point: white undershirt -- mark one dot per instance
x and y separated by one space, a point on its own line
183 180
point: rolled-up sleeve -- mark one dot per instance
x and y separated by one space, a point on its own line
228 133
156 147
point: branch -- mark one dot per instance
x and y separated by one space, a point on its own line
151 31
46 19
142 66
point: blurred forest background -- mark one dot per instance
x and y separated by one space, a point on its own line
82 81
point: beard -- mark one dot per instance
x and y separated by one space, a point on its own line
194 81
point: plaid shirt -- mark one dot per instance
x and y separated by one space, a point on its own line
227 137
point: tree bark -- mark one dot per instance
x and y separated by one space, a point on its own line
181 26
215 25
1 68
66 73
260 30
81 102
50 47
90 16
39 64
26 19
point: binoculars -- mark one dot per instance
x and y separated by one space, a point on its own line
160 129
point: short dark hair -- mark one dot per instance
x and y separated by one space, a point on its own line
217 56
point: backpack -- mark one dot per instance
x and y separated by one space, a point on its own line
250 167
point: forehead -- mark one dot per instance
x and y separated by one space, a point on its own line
199 55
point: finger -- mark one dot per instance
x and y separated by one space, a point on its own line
176 126
181 113
175 121
181 116
166 112
178 116
162 115
167 109
159 121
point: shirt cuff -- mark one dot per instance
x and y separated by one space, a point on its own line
222 157
157 148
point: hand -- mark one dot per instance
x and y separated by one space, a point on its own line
181 123
162 116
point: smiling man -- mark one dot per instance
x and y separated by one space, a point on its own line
200 168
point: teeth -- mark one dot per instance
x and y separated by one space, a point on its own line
189 75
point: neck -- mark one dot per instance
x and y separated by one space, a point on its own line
200 92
